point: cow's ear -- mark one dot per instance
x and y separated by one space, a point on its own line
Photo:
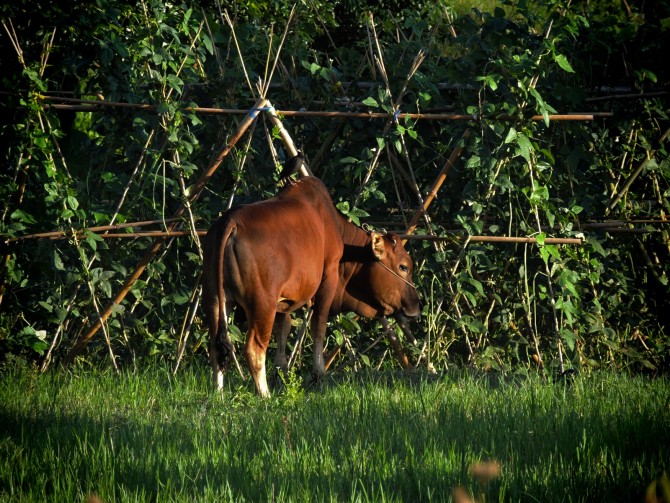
378 248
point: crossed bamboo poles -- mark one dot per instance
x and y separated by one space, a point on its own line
262 105
196 190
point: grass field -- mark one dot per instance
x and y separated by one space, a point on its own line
151 436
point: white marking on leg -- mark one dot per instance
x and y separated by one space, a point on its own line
263 389
219 380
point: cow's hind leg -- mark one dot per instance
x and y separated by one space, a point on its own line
221 349
258 339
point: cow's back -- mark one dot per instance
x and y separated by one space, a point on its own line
279 246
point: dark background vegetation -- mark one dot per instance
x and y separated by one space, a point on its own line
511 307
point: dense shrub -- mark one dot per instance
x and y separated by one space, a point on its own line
506 306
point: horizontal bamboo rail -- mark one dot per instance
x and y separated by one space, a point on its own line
103 228
627 96
414 237
587 116
616 226
496 239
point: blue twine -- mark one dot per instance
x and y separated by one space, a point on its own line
396 115
254 111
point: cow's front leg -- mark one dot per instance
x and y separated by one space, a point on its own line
322 302
319 321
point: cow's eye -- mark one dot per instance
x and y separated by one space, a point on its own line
404 268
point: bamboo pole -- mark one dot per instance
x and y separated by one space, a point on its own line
102 228
421 210
616 226
498 239
288 141
620 91
193 195
586 116
635 96
411 237
624 190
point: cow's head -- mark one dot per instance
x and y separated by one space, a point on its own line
391 276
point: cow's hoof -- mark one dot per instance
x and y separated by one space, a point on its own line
317 381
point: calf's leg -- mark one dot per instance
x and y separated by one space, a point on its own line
282 329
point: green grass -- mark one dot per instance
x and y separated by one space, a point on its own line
149 436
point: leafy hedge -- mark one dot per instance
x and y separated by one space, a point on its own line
504 306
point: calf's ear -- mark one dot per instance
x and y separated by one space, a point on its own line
378 248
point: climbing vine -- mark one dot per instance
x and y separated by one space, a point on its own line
108 128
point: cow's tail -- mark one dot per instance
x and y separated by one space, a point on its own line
224 346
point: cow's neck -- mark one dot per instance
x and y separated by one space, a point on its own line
357 255
356 241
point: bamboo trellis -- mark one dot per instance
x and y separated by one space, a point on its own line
171 225
249 116
92 105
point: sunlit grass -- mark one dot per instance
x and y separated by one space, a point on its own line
150 436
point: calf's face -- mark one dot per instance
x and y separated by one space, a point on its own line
391 277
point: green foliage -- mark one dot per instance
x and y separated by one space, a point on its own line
503 306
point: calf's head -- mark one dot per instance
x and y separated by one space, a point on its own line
391 276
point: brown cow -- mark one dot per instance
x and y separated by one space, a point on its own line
277 255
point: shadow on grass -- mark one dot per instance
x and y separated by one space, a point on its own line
372 435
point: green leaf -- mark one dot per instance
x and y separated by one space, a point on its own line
553 251
525 146
72 202
93 239
568 280
511 135
208 44
471 298
425 97
477 284
539 195
21 216
58 261
544 253
370 101
569 338
563 63
551 218
343 206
